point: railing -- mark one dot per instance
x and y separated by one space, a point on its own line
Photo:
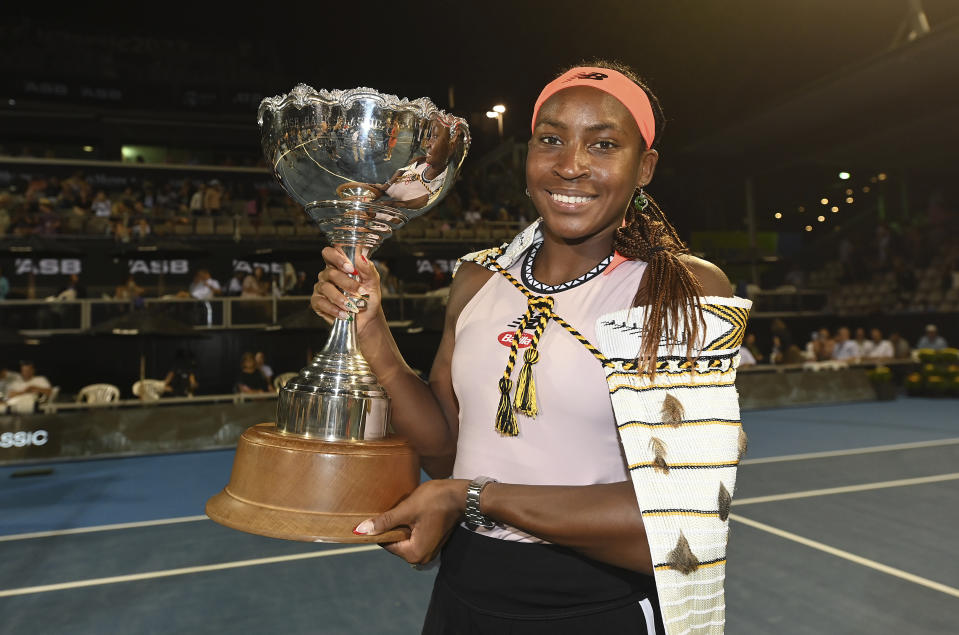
237 398
826 365
35 318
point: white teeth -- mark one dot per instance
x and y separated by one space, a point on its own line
562 198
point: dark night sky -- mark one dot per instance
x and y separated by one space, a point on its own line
710 62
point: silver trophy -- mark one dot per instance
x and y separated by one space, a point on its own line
362 164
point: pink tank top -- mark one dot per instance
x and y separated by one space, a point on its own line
573 439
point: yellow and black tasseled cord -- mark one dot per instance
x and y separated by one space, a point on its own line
525 399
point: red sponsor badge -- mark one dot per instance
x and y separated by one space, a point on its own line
506 339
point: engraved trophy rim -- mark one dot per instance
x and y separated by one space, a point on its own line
304 95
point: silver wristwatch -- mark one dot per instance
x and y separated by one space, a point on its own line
474 515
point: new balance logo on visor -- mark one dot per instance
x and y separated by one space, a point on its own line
597 76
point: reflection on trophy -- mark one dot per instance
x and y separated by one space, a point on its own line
362 164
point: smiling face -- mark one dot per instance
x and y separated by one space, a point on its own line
438 152
585 160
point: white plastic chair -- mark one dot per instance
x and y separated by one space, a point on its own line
48 403
152 389
280 380
22 404
98 393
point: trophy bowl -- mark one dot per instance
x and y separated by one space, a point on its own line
362 164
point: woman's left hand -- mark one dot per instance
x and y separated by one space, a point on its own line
431 512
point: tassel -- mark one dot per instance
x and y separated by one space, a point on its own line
659 450
725 500
673 411
681 558
743 443
505 419
525 401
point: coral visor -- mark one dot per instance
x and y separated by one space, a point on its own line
611 82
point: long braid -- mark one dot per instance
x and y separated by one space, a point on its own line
671 293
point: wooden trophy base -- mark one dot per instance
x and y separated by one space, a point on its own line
296 488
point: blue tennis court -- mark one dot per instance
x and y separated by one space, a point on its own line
843 522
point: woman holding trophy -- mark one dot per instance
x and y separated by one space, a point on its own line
580 422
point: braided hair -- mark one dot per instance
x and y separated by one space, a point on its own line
671 292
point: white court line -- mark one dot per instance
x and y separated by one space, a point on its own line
772 459
150 575
866 562
95 528
848 488
868 450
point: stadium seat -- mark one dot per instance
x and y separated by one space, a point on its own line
97 225
151 389
204 226
98 393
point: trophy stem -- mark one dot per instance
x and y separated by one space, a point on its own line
336 397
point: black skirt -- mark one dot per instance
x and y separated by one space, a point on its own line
487 586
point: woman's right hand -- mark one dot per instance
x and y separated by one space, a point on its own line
336 293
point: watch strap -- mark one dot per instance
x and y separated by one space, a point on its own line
474 514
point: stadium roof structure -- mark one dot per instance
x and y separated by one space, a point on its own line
898 108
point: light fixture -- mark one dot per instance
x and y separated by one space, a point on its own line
821 219
865 189
808 228
834 208
499 108
872 179
824 201
848 190
88 148
491 114
850 199
778 215
881 176
844 176
801 209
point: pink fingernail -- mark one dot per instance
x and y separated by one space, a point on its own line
348 267
364 528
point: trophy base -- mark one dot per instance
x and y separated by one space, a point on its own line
297 488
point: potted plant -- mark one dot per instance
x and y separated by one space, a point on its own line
881 379
914 384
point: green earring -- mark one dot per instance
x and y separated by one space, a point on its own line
640 202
